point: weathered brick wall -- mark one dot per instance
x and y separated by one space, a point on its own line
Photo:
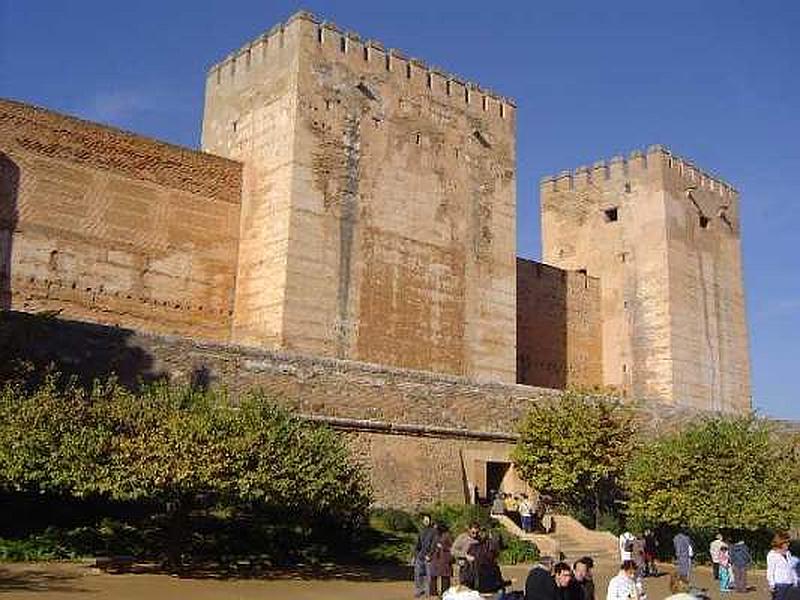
559 340
671 291
394 199
115 228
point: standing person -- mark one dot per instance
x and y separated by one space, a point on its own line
536 503
511 505
441 564
565 589
422 556
498 505
623 585
713 550
725 573
740 561
781 573
650 551
540 584
637 555
683 555
548 523
461 550
488 578
526 513
626 539
583 578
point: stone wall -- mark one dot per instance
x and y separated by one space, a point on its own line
671 290
110 227
423 436
394 198
559 339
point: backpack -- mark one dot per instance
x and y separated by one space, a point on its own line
628 546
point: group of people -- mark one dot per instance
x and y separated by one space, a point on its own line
531 513
475 554
730 562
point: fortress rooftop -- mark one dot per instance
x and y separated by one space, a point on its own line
639 159
372 49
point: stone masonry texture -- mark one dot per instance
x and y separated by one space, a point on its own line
663 238
559 336
378 218
115 228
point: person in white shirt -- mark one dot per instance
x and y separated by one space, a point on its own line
624 586
462 591
626 546
781 567
525 508
713 550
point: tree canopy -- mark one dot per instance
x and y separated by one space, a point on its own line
575 450
723 472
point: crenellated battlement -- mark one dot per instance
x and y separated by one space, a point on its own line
371 56
638 162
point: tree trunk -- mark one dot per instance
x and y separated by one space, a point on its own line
177 525
596 507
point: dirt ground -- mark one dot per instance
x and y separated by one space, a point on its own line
70 581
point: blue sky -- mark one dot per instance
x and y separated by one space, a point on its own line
716 81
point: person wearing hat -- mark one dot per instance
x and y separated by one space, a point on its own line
781 567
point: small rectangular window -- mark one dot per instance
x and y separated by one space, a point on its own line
611 214
704 220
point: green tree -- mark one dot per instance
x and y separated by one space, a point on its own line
575 449
178 449
720 473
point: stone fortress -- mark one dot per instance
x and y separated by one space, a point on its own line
350 224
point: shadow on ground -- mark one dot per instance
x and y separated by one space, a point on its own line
297 572
38 580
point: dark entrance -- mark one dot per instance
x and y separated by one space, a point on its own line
495 472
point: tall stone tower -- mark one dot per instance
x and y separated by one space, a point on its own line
378 206
664 239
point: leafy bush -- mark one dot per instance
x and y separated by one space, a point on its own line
179 452
392 519
458 517
516 551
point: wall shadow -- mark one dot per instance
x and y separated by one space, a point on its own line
9 215
31 345
541 325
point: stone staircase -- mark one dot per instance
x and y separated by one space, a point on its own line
570 538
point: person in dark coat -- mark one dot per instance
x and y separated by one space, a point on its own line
683 555
740 560
566 589
441 563
422 556
582 578
488 578
540 584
